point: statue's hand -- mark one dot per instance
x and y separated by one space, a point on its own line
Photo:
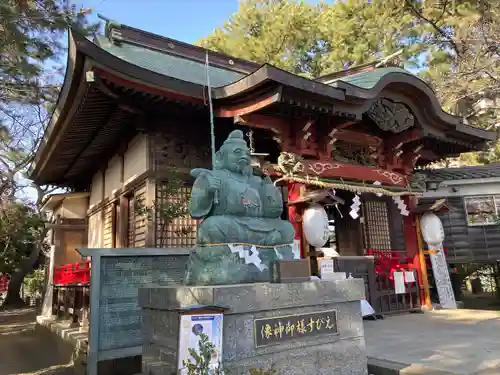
214 183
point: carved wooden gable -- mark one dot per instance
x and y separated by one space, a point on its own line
391 116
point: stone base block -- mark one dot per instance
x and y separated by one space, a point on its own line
340 352
217 265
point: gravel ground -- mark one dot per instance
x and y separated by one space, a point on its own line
24 351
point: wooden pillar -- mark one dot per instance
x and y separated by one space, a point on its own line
294 216
411 240
123 222
426 301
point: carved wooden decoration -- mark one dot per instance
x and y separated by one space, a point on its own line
391 116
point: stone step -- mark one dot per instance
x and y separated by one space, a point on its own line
383 367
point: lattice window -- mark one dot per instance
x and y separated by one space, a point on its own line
377 231
182 231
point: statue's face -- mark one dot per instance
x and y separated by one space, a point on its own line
237 159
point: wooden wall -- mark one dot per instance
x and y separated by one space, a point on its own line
178 148
124 180
467 243
180 145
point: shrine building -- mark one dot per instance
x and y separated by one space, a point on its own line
135 106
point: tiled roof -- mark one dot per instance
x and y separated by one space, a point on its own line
370 78
180 67
168 64
465 173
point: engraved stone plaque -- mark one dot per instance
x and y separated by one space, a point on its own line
271 331
121 277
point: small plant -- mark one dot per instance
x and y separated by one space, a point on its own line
203 363
34 282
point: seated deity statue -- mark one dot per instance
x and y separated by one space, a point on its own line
235 205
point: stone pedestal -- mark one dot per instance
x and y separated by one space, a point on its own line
341 353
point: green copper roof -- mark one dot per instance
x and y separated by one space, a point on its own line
167 64
370 78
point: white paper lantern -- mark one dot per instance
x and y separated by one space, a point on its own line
432 228
315 225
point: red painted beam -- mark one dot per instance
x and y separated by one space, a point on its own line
334 169
357 138
396 141
256 120
249 106
145 88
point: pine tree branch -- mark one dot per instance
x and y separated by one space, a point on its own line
449 40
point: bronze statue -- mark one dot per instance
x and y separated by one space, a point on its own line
237 208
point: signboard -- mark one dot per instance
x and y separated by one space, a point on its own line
189 336
433 234
116 277
326 267
442 278
275 330
121 277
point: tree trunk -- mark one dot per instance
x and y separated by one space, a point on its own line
13 299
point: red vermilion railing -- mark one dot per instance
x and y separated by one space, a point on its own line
389 261
72 274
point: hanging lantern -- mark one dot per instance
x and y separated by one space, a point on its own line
257 159
315 225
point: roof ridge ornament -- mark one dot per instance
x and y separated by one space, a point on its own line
112 29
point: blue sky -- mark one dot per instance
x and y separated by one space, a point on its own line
185 20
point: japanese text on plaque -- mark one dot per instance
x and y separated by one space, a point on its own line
274 330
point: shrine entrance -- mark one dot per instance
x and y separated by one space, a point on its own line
368 243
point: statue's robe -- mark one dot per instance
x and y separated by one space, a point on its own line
245 209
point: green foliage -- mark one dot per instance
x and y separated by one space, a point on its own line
31 33
200 363
21 231
315 39
34 282
201 358
282 33
32 58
